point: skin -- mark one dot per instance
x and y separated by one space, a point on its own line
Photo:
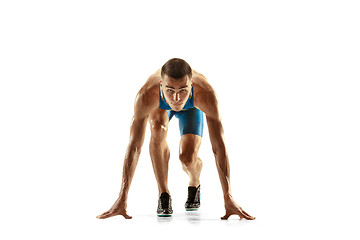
176 93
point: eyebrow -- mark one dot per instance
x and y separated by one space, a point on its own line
174 88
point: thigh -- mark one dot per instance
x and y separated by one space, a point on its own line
191 121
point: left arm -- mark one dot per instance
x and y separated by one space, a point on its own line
216 133
209 105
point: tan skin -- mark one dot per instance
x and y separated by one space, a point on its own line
176 93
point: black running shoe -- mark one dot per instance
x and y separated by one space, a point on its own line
193 201
164 205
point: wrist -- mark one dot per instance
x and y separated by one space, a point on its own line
227 196
123 196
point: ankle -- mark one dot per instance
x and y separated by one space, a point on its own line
194 184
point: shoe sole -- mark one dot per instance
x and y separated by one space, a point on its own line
191 209
164 215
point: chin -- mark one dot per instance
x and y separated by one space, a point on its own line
177 108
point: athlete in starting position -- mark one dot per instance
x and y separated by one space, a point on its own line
176 90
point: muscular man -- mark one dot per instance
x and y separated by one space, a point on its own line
176 90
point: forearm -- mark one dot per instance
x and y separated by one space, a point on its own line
223 167
136 140
216 133
130 163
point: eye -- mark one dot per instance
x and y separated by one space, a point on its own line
183 90
170 90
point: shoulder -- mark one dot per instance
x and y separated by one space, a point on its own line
147 98
205 96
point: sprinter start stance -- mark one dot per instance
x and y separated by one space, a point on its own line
176 90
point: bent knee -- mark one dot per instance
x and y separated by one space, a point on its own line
188 159
158 129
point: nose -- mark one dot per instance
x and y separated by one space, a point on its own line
176 97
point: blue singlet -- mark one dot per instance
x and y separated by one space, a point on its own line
191 120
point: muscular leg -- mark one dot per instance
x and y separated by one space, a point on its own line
192 164
159 150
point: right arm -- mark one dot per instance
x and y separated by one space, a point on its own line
137 134
143 106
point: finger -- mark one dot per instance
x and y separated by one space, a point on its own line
127 216
247 216
105 213
226 216
109 214
102 216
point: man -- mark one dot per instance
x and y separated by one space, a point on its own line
176 90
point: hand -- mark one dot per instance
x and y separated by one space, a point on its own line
119 208
231 208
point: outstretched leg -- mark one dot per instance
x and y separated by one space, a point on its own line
188 154
159 150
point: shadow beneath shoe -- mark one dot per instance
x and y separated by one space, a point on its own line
193 216
166 219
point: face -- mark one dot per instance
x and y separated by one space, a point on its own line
176 91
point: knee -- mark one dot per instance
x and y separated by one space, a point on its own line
158 130
188 158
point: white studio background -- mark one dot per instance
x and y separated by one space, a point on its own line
287 77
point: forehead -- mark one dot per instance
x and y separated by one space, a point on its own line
175 82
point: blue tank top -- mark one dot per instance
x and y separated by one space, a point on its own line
163 104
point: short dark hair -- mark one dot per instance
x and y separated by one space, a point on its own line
176 68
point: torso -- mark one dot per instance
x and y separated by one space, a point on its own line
200 87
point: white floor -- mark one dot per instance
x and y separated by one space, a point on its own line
275 224
287 77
